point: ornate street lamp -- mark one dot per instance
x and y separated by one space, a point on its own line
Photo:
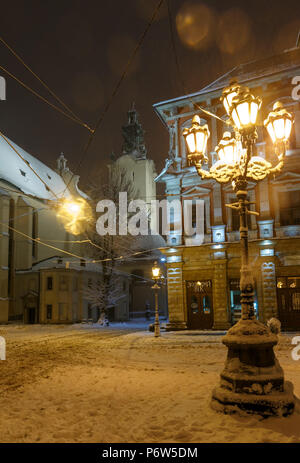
244 109
279 125
227 149
228 94
156 275
252 379
196 140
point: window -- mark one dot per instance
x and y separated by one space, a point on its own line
49 283
23 173
194 213
63 283
172 219
49 311
289 204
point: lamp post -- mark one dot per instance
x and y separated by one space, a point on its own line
252 379
156 275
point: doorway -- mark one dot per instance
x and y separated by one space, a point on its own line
199 304
31 315
288 297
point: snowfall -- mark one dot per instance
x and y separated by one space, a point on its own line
86 383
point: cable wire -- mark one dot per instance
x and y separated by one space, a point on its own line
117 87
40 80
69 116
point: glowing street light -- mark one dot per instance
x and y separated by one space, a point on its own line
196 140
244 109
279 125
227 149
252 379
156 275
155 272
74 213
228 94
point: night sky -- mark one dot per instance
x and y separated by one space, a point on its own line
80 48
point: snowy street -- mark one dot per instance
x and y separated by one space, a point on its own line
84 383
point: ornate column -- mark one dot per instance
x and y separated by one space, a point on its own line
268 277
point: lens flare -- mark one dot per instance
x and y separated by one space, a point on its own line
74 213
194 24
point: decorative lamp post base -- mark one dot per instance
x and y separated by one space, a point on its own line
252 380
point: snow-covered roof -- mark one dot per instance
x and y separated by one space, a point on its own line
17 172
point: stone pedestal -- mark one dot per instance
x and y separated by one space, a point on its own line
252 380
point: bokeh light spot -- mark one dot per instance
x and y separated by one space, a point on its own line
194 23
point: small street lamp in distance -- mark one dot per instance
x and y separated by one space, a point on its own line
252 380
156 276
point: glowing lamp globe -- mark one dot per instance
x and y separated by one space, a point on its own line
228 94
227 149
244 109
279 123
73 208
155 271
196 141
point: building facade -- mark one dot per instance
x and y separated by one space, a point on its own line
41 280
203 280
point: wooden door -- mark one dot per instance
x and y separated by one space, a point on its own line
199 304
288 297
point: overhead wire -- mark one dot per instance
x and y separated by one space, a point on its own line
117 87
81 259
40 80
36 240
69 116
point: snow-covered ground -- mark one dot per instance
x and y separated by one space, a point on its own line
84 383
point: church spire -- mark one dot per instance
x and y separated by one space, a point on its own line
133 135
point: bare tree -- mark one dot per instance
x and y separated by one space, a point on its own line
109 248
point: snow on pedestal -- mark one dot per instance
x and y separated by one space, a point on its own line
252 380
